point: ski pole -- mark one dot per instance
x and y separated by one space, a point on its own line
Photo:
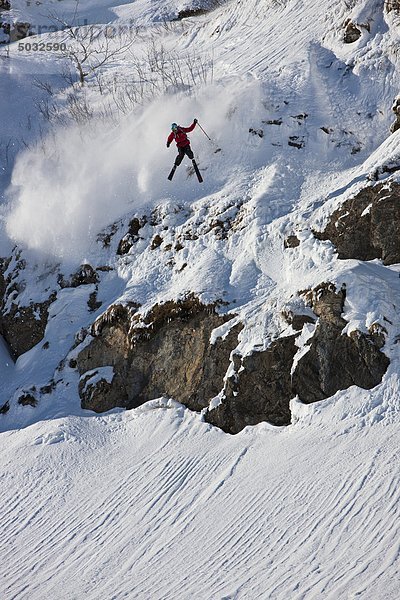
217 149
204 131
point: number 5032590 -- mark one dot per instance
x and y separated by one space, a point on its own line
42 47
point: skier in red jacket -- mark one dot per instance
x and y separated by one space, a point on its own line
178 134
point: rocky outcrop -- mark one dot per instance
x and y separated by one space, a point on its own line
85 275
4 26
336 361
396 109
292 241
194 12
3 266
23 327
130 359
259 390
296 320
27 399
352 33
5 408
132 236
19 31
392 5
167 353
97 389
262 385
368 225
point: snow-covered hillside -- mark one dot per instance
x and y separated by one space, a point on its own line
155 503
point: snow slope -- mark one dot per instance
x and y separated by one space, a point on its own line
153 503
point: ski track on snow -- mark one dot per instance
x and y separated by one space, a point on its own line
190 512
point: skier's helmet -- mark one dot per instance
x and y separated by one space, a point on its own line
174 127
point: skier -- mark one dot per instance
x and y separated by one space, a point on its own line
178 134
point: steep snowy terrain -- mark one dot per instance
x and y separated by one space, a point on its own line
154 502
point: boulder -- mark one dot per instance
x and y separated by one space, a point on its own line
352 33
292 241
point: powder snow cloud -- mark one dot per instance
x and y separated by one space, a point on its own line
66 190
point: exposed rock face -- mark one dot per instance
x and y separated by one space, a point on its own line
85 275
5 408
168 353
3 266
259 390
132 236
392 5
19 31
368 225
99 394
297 321
326 303
292 241
27 399
336 361
4 27
24 327
262 385
185 14
352 33
396 109
156 242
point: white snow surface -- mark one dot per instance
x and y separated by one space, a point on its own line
154 503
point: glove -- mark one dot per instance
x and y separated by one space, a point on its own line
195 121
168 144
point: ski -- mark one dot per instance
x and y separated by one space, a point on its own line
196 169
170 176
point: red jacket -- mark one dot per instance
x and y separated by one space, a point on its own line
180 136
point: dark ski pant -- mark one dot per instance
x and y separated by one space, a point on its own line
181 154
